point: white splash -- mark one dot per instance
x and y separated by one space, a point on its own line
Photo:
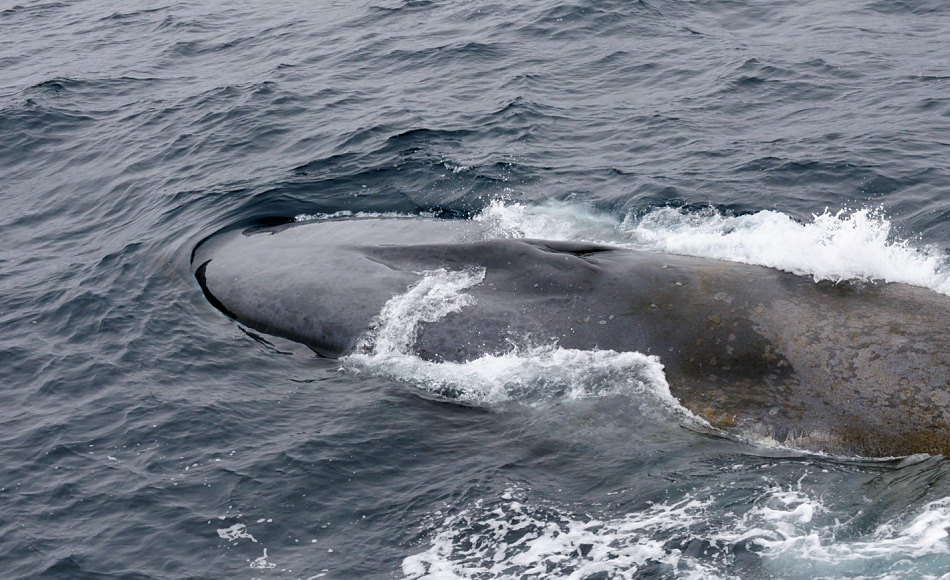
550 221
530 375
439 293
526 373
845 245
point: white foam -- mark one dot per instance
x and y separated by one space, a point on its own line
235 532
844 245
925 534
261 563
513 538
529 375
516 539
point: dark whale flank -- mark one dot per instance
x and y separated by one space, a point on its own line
856 368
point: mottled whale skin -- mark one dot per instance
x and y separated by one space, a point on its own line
848 368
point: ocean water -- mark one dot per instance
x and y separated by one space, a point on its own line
143 434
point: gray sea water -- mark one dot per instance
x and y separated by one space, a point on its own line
143 434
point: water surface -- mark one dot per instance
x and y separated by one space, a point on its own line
145 435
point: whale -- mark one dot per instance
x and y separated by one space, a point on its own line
855 368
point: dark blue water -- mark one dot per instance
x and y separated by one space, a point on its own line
145 435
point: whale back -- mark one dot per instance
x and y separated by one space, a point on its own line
853 367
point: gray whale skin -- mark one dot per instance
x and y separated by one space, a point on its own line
848 368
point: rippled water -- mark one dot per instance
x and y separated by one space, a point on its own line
145 435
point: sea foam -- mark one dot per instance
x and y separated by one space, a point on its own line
781 532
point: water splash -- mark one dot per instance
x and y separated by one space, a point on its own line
439 293
844 245
524 373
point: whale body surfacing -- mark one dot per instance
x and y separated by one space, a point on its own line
852 368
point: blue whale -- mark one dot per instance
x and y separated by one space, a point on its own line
855 368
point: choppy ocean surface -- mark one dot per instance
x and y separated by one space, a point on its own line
143 434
